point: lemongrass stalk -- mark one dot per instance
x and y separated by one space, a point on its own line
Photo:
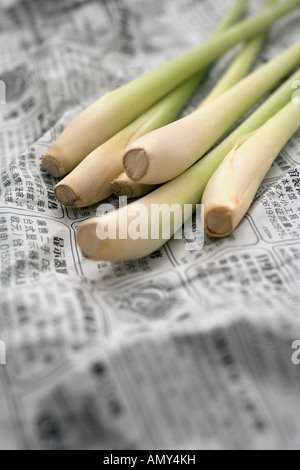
234 14
115 110
232 188
239 67
187 188
205 168
90 181
124 186
237 70
165 153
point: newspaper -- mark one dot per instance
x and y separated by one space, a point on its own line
179 350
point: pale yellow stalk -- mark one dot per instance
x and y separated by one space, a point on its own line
90 181
165 153
231 189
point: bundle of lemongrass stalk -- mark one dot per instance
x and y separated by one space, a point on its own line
132 129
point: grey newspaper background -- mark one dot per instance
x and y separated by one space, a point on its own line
180 350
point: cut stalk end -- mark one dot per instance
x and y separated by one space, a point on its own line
218 222
51 165
121 188
136 163
65 195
